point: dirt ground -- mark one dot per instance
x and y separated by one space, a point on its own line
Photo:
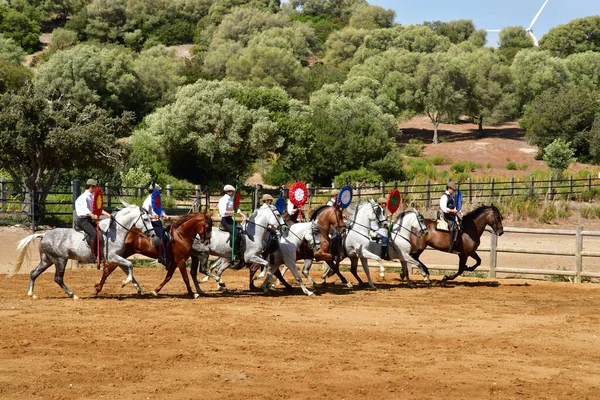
470 339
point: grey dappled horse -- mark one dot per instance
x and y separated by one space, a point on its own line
62 244
359 246
255 231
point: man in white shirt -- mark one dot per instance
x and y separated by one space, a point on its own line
294 212
334 198
379 226
450 212
226 208
156 221
84 209
267 201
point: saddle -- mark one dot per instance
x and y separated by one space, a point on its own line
441 224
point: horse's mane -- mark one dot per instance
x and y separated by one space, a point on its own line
318 211
478 211
403 214
183 219
352 209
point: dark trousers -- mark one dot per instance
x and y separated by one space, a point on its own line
227 223
453 228
89 227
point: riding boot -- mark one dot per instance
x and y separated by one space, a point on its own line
384 253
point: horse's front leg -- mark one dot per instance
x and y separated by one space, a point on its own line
306 273
126 266
170 270
462 266
186 279
194 273
224 264
335 266
60 265
106 271
474 256
365 265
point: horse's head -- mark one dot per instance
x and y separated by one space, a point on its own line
495 220
204 227
270 218
377 214
142 221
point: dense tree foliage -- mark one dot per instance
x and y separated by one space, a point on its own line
578 36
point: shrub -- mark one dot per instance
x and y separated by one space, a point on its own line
523 167
414 148
362 175
558 155
590 211
440 160
464 166
421 168
512 166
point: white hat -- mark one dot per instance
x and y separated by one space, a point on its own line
266 197
228 188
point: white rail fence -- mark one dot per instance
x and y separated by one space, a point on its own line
578 254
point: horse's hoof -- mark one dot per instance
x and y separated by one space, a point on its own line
154 293
196 295
221 288
382 276
34 296
309 293
139 292
373 287
349 285
205 279
75 297
124 283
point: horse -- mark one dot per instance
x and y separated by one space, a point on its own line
255 231
183 232
467 242
359 246
62 244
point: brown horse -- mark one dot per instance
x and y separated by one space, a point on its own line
467 242
183 233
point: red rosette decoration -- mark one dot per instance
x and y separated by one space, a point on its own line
237 197
98 202
298 194
394 201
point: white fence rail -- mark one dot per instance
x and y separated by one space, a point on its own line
578 254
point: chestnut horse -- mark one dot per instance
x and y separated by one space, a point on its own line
467 242
183 233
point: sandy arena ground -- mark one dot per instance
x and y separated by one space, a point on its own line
475 338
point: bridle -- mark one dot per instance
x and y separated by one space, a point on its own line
145 232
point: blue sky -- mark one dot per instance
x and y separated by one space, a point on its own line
487 14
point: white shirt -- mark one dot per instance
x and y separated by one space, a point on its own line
225 204
265 205
147 205
444 202
84 204
290 207
331 202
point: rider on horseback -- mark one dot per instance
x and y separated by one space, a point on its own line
156 220
226 208
379 229
267 200
334 198
86 219
450 212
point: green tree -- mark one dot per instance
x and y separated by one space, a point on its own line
512 40
534 71
62 39
489 81
558 155
341 46
577 36
10 51
566 113
90 74
243 23
584 68
349 133
41 138
594 139
205 135
17 26
366 16
13 76
441 89
63 9
457 31
106 20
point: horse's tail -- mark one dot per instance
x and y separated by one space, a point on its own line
22 251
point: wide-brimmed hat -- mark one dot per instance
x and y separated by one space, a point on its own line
451 185
381 200
91 182
266 197
228 188
155 186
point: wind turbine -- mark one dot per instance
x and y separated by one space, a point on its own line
530 29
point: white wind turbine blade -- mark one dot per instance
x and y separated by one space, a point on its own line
536 17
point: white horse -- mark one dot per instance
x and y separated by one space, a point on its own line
255 232
359 246
62 244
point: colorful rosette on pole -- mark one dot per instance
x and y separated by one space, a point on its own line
237 197
298 194
393 201
98 202
156 202
345 196
280 204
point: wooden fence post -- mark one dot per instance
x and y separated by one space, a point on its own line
405 188
512 186
207 198
470 182
589 183
358 190
3 193
382 186
578 250
198 195
428 195
107 195
570 187
169 190
493 256
532 190
139 191
492 181
550 193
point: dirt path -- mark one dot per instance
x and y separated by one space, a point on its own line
472 339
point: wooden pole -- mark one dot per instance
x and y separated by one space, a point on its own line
493 256
578 250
